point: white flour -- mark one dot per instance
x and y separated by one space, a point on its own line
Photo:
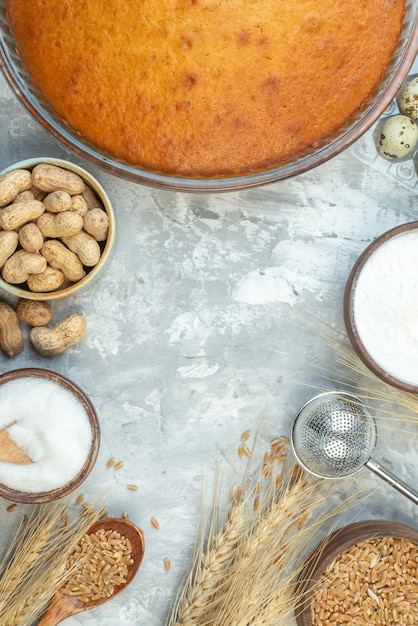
51 426
386 306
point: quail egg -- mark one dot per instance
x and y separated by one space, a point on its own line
408 99
398 137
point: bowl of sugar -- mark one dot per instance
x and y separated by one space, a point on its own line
49 435
381 307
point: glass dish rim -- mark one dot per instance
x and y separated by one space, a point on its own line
394 76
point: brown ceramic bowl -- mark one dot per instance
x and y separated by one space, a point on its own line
340 541
84 403
374 351
107 246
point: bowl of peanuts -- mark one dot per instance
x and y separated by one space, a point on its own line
365 573
57 229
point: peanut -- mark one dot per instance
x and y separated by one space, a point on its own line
96 223
21 264
84 246
53 178
60 257
50 279
11 336
79 205
13 183
34 312
30 237
90 198
58 201
60 224
15 215
8 244
25 196
66 333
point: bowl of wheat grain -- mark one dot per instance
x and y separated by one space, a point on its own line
365 573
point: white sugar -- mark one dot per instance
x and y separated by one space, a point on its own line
51 426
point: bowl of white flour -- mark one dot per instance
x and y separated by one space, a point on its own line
381 306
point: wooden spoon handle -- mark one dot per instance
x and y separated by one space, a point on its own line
9 451
59 609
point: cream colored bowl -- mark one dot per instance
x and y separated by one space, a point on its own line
106 247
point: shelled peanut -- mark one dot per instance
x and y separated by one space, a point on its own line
53 228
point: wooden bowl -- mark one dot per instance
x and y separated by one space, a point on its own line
376 363
54 494
106 247
340 541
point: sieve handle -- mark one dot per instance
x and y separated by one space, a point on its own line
397 483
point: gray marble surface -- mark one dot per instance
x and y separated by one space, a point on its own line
192 337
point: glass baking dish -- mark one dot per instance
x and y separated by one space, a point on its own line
20 82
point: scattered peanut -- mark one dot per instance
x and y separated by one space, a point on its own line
34 312
60 257
8 244
59 225
30 237
19 213
96 223
11 336
66 333
13 183
20 265
52 178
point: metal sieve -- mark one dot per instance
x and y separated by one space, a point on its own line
334 435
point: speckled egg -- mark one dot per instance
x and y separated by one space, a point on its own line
408 99
398 137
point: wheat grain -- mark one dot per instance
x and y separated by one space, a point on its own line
370 597
33 565
96 573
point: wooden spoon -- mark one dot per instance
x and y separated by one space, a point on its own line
63 605
9 451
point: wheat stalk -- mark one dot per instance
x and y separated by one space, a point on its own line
33 566
247 573
208 574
